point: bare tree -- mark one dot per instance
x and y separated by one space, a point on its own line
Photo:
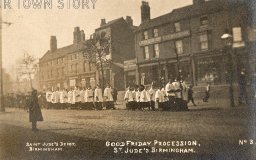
27 67
97 51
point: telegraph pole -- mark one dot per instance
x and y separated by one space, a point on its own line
2 108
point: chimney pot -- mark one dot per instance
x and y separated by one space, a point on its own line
82 35
77 35
103 22
129 20
53 44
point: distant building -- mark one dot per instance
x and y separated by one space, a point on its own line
67 66
192 36
121 33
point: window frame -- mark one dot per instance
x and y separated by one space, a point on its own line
145 35
204 22
146 52
156 32
156 50
179 49
177 26
204 41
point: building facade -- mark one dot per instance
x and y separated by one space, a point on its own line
67 67
187 43
121 33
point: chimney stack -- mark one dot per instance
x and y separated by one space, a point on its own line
53 44
103 22
145 11
129 20
77 35
82 35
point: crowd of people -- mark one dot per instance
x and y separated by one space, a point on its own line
82 98
169 97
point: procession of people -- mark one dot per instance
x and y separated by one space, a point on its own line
80 98
172 96
159 97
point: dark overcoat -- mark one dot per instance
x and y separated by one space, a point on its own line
35 113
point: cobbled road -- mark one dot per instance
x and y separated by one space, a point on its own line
218 132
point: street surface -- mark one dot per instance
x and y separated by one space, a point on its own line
217 130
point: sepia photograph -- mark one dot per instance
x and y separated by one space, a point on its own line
127 79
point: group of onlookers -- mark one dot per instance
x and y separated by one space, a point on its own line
82 98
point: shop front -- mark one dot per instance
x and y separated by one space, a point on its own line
149 74
211 70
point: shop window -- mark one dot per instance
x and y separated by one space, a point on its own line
204 42
149 75
145 34
179 46
177 27
209 70
156 51
146 52
156 34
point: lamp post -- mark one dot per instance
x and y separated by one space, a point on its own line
179 71
227 38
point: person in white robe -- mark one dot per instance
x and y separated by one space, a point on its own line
108 97
54 99
76 98
170 92
88 98
151 93
65 98
48 98
70 97
129 98
98 98
82 101
58 105
61 99
144 98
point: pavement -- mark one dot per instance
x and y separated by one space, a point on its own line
221 132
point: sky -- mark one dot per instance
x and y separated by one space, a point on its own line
31 29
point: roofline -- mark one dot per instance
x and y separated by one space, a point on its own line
109 25
174 10
49 52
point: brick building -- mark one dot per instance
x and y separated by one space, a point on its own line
121 33
66 67
191 35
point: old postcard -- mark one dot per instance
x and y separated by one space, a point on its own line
118 79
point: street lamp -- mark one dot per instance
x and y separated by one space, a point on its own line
179 70
228 38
